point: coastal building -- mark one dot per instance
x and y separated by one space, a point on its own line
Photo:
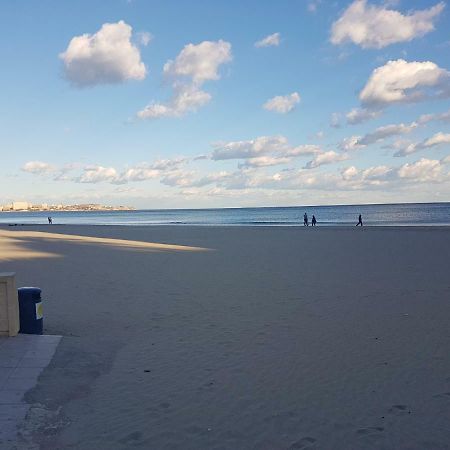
20 206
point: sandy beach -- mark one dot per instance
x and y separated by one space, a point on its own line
239 337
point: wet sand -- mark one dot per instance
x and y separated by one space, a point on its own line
239 337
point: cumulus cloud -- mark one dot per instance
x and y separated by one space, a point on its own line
439 117
349 173
178 178
372 177
351 143
193 66
313 5
276 146
325 158
335 120
200 62
401 81
360 115
405 148
265 161
438 139
144 38
38 167
282 104
387 131
423 170
98 174
377 26
251 148
105 57
186 98
139 173
273 40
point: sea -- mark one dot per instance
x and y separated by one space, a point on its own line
402 214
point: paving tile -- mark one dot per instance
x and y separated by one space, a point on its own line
22 359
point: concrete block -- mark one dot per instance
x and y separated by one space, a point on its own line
9 305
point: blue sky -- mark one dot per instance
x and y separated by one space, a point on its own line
165 104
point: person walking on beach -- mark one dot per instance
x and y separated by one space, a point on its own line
313 221
50 221
305 220
359 221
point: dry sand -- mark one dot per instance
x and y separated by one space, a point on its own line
242 338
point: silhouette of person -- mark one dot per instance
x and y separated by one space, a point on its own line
313 221
359 221
305 220
50 221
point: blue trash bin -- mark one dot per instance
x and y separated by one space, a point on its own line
30 310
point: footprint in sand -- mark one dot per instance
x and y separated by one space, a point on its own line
442 395
131 438
370 431
306 442
399 410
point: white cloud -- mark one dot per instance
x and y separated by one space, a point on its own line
199 62
186 98
301 150
144 38
107 56
141 173
387 131
376 26
38 167
402 81
269 41
440 117
351 143
437 139
360 115
265 161
313 5
277 147
335 120
407 148
349 173
250 149
178 178
193 66
423 170
211 178
372 177
282 104
98 174
325 158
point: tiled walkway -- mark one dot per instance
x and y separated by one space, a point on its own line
22 359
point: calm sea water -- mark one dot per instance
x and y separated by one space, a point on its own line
378 215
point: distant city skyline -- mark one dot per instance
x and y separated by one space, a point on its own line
225 104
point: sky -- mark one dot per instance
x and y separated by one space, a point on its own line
175 104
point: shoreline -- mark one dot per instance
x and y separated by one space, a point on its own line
239 225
